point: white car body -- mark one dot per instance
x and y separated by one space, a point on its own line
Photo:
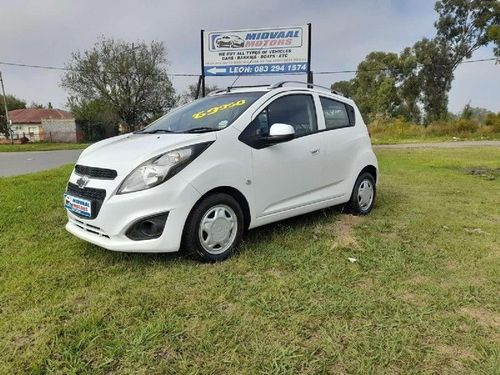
273 183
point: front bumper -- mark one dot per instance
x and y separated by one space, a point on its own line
119 212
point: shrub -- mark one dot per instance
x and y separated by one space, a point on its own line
461 128
398 127
493 119
452 128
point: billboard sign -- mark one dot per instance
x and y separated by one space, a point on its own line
280 50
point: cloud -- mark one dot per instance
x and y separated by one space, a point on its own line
46 32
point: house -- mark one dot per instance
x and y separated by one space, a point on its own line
44 124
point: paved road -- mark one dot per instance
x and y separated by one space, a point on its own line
457 144
15 163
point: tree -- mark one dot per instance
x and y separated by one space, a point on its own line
494 36
12 103
386 85
476 114
347 88
191 93
409 86
435 77
129 78
376 92
462 27
95 117
467 112
36 105
466 25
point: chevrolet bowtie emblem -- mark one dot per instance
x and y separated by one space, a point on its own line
82 182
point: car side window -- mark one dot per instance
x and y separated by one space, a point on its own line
295 110
336 114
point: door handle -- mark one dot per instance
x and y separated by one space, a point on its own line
315 151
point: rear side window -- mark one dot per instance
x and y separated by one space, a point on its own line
337 114
296 110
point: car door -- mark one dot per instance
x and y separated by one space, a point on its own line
286 176
340 146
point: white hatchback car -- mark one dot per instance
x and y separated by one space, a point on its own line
237 159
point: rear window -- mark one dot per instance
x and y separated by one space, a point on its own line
336 115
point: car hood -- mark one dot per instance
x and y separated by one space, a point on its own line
125 152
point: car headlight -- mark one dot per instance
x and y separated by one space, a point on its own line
160 168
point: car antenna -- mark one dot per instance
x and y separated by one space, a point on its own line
239 75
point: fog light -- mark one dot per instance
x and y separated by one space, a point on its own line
147 228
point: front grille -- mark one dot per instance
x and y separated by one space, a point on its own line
89 228
87 192
102 173
96 197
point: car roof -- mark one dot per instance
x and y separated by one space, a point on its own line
280 87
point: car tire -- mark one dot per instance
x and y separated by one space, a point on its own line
214 228
363 195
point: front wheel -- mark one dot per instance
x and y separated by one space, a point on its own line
363 195
214 228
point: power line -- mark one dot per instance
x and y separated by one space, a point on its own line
382 69
48 67
479 60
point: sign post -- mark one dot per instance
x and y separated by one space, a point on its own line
202 77
309 72
279 50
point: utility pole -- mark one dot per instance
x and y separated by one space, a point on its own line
6 110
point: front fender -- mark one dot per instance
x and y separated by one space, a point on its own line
219 167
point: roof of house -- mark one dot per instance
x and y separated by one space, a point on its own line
35 115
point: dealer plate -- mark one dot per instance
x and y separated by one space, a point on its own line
78 205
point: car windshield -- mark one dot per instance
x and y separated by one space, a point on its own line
206 114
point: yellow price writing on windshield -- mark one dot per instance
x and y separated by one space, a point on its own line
214 110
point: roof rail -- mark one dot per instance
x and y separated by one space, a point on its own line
216 92
309 85
245 86
228 89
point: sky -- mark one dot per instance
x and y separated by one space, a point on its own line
343 33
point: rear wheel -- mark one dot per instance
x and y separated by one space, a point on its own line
214 228
363 195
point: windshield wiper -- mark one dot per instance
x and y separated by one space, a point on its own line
201 129
154 131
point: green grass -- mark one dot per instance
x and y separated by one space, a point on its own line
42 146
422 296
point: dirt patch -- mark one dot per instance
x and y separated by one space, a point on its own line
488 173
483 317
251 276
454 351
455 355
227 308
165 355
410 298
475 231
390 236
343 231
452 356
419 280
368 284
21 341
